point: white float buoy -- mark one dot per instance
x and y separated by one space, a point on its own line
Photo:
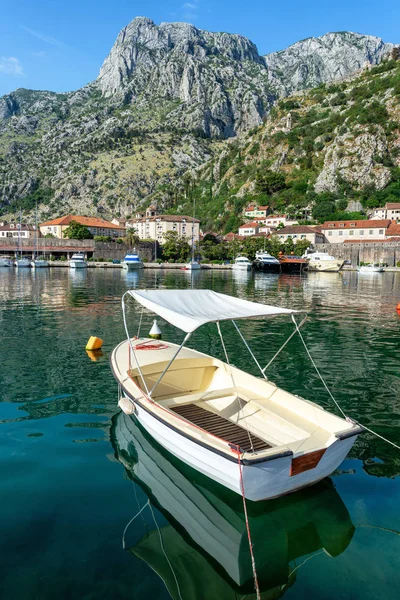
155 331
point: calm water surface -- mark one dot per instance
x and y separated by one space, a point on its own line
74 471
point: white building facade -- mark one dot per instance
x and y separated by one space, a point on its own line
156 227
337 232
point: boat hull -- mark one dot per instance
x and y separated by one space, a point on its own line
39 264
262 481
293 267
133 266
6 262
23 263
326 266
241 268
78 264
267 267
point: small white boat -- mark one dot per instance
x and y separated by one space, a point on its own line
371 269
241 263
6 261
39 263
266 262
78 261
192 266
322 261
242 431
132 261
22 262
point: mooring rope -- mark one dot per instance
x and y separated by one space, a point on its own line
334 399
253 562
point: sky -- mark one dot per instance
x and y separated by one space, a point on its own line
60 45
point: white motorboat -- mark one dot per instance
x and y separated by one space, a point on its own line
242 431
132 261
371 268
205 526
322 261
6 261
192 266
78 261
22 262
39 263
266 262
241 263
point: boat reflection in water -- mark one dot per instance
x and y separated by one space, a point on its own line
206 540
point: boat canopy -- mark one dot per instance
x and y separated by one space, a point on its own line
189 309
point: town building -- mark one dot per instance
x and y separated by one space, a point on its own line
391 211
230 237
275 220
251 228
337 232
301 232
16 230
96 226
157 226
253 211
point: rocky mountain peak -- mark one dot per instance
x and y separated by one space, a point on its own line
323 59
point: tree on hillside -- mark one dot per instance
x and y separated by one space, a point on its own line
268 182
76 231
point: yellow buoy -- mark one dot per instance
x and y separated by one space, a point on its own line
94 343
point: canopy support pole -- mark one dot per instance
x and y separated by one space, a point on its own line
234 384
131 345
283 345
250 350
187 336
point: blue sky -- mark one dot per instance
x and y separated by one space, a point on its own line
59 45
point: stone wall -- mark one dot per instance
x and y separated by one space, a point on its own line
119 251
387 253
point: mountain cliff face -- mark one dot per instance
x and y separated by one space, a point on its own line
328 58
165 95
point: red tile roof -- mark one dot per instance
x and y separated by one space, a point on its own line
367 224
393 229
298 229
16 227
250 224
392 205
88 221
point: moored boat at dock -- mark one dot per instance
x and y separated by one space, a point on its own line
78 261
292 264
322 261
132 261
266 262
241 263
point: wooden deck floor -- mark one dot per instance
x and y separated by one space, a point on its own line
220 427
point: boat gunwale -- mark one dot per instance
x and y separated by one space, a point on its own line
239 456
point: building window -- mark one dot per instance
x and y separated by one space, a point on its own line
329 232
371 231
352 224
361 231
381 231
330 225
340 232
351 232
341 224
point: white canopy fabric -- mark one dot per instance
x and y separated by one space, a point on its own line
189 309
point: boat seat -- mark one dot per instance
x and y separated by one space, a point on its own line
203 396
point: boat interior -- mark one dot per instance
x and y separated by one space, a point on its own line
238 407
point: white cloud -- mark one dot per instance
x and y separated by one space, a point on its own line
9 65
44 38
189 5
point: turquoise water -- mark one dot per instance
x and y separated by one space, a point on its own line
74 473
